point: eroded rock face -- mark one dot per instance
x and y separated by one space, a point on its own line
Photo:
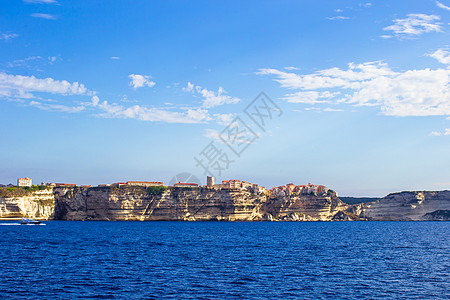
206 204
38 205
304 207
177 204
190 204
408 206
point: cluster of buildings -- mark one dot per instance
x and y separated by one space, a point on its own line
235 184
285 190
290 188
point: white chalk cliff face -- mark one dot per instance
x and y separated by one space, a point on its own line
205 204
38 205
409 206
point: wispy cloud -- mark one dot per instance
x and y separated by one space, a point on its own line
398 93
19 86
224 119
44 16
332 109
41 1
441 55
138 112
57 107
21 89
439 4
310 97
8 36
338 18
435 133
33 61
115 57
439 133
414 25
138 81
211 98
213 134
291 68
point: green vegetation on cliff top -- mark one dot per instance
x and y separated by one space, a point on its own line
156 190
357 200
19 191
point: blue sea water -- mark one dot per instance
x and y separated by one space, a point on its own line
221 260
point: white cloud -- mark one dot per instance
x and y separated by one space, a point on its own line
57 107
224 119
22 86
385 36
310 97
338 10
212 134
115 57
441 55
189 88
95 100
211 98
33 61
41 1
408 93
435 133
242 139
138 81
338 18
291 68
8 36
332 109
439 4
44 16
438 133
114 110
414 24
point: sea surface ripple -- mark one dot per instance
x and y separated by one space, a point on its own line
224 260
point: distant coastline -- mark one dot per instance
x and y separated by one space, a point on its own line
187 202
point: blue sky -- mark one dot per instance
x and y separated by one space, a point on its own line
135 90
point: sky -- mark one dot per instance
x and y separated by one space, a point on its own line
353 95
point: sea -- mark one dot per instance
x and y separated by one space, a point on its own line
225 260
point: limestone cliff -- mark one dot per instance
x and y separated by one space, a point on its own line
37 205
304 207
408 206
177 204
205 204
190 204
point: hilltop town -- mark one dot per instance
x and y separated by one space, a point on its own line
230 200
284 190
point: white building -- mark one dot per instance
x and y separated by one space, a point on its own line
209 181
24 181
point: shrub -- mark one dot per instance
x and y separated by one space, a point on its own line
156 190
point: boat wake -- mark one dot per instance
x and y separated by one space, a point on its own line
18 224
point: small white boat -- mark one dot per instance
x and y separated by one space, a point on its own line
29 222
